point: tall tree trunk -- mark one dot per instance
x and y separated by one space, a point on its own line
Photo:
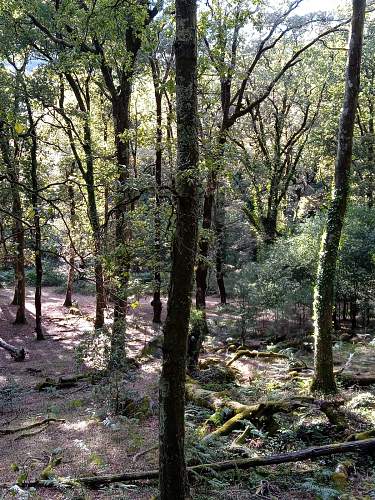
172 472
69 284
37 230
220 242
156 301
204 243
10 163
323 379
95 225
121 111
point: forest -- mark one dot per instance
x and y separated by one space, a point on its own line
187 249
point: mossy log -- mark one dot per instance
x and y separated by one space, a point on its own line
18 354
219 400
256 354
62 382
244 464
359 436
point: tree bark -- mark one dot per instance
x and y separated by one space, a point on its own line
20 291
172 467
323 379
156 302
69 285
36 217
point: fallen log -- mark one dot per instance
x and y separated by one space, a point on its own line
14 430
244 464
256 354
217 401
62 382
356 379
18 354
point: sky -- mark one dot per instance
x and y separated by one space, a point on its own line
325 5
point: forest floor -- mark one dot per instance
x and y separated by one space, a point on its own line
93 438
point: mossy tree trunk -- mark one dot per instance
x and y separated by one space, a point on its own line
323 379
172 471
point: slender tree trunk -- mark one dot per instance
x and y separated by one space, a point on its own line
353 312
20 290
220 241
172 471
37 230
204 243
156 302
121 110
69 285
324 380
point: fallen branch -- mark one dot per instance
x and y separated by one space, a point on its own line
256 354
30 434
14 430
246 463
16 353
143 452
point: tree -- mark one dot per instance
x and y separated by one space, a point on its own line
323 379
173 481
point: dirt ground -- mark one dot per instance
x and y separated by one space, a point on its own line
93 441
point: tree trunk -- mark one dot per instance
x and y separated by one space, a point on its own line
37 230
353 312
69 285
20 291
204 243
156 302
121 111
172 471
220 242
324 380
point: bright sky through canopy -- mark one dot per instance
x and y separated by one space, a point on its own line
325 5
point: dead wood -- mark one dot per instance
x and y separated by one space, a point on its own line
18 354
244 464
14 430
218 401
256 354
359 379
62 382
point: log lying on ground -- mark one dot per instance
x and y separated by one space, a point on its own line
16 353
14 430
256 354
217 401
62 382
362 380
244 464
